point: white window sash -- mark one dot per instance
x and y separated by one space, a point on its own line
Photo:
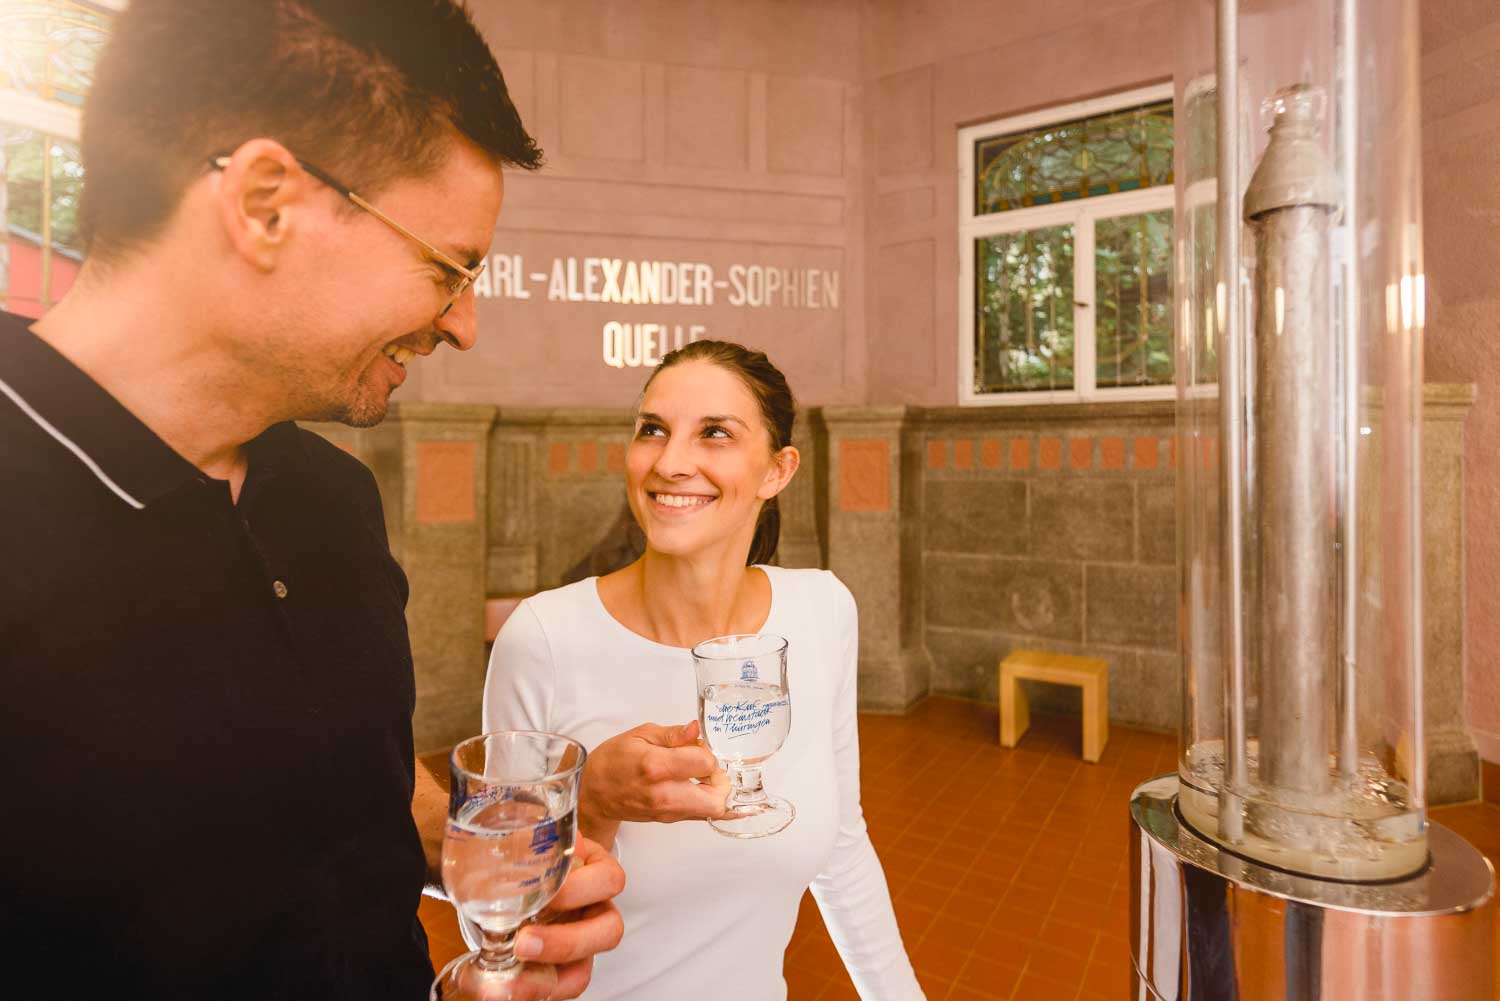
1082 213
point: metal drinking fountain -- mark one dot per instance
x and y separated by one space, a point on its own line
1291 857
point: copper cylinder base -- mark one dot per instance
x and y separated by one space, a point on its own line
1208 925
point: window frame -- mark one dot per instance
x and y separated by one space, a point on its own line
1081 214
53 120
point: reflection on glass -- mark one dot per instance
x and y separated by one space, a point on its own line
1023 326
1133 300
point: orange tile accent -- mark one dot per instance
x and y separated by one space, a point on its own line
1080 452
1049 453
864 474
1145 453
937 454
496 611
615 457
445 482
989 453
1020 453
963 454
558 458
1112 453
588 456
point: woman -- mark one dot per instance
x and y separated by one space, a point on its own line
605 658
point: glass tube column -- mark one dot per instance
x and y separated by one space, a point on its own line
1299 384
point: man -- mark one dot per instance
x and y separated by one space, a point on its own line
205 679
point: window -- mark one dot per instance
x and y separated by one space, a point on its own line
47 54
1065 246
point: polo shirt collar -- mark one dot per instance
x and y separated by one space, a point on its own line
123 453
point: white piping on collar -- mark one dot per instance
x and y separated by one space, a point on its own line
70 445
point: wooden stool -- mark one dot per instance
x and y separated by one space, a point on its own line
1088 673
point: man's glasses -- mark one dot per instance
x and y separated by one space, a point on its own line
459 276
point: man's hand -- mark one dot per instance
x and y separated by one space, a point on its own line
650 773
581 921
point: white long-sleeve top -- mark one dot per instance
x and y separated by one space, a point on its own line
707 915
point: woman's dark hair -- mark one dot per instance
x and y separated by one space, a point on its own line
777 408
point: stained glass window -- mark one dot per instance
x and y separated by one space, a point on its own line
1084 158
48 49
1067 251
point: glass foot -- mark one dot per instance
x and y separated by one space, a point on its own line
465 980
757 820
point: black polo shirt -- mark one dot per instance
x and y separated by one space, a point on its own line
205 712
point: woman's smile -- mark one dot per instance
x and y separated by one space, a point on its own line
675 504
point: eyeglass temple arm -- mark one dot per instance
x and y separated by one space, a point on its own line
223 161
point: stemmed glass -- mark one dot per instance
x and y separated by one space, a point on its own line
745 711
512 816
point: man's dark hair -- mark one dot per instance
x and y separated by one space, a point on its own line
369 91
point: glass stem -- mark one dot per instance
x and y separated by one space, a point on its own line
747 788
497 950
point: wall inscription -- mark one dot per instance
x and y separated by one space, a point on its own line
636 339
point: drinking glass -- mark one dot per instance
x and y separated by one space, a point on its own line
745 711
512 816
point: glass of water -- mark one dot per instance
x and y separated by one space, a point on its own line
512 816
745 711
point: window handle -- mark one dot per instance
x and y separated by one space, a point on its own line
1079 302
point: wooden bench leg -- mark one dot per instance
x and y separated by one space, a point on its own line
1095 718
1015 713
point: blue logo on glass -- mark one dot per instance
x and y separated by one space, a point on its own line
748 671
543 836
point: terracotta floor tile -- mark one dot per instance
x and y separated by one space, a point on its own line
941 871
1007 867
1057 964
803 985
839 990
818 955
939 956
1107 978
997 978
963 992
1075 940
924 894
935 987
1035 987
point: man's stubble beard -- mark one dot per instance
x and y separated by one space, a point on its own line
363 407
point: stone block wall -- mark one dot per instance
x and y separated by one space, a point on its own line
1052 527
557 493
963 533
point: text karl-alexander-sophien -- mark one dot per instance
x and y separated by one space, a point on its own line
631 343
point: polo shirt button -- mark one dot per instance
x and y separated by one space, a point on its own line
279 588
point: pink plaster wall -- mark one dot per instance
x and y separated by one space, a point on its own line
929 69
822 135
1461 206
805 136
719 134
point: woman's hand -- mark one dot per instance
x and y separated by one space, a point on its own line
645 774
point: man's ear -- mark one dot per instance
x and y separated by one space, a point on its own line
261 192
783 467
